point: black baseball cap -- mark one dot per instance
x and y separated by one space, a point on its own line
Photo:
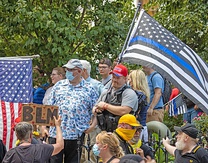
188 129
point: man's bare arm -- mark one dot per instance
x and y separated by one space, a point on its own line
156 98
59 139
116 110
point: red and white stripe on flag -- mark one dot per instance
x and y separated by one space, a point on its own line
8 113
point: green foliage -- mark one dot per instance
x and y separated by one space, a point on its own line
160 150
61 30
201 123
185 19
159 153
170 122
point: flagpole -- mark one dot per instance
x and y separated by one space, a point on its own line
129 32
172 99
21 57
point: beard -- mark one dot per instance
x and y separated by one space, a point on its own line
180 145
135 139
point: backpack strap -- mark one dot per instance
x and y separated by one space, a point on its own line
106 120
142 101
153 75
107 82
163 79
118 95
111 159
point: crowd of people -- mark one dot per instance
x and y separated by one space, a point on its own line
112 112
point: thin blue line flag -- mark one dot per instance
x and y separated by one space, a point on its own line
177 106
153 46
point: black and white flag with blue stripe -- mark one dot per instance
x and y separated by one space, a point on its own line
153 46
177 106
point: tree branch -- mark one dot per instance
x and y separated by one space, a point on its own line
77 46
81 18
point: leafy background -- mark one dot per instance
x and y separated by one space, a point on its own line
59 30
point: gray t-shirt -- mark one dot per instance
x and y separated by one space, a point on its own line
129 97
107 80
34 153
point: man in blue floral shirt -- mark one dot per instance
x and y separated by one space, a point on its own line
75 98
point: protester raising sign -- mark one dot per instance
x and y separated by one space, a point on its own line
37 114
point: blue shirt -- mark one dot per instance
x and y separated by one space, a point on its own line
75 107
38 93
155 82
99 87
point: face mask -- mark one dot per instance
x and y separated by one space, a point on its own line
96 150
126 134
69 75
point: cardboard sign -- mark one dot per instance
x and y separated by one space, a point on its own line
37 114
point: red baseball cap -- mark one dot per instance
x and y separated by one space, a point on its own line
120 70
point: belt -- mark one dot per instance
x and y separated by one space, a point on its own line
158 108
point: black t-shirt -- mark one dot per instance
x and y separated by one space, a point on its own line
34 153
198 155
2 150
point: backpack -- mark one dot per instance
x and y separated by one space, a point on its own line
142 101
167 89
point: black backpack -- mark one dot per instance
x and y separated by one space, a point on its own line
167 89
142 101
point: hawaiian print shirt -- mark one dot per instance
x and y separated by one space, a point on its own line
75 107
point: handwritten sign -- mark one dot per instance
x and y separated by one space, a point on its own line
37 114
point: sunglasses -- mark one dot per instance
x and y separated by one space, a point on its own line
139 130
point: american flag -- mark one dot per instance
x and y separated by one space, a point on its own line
15 89
153 46
177 106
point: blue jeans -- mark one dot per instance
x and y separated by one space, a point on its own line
190 115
